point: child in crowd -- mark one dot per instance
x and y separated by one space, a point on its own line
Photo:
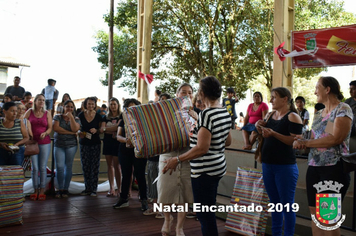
50 94
157 95
26 100
303 113
229 103
102 110
7 98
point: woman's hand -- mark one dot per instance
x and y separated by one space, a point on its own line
128 143
81 134
43 135
93 130
259 124
69 115
193 114
171 164
4 146
299 142
267 132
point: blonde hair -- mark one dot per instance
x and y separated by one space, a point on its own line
34 102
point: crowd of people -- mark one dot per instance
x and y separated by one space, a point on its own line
188 175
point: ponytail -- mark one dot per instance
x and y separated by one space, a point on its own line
292 106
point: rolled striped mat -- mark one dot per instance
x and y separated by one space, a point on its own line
249 193
11 195
158 128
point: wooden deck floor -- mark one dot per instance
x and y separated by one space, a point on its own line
85 215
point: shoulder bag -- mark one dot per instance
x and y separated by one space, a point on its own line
260 140
31 148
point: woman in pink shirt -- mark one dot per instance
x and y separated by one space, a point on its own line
41 124
255 111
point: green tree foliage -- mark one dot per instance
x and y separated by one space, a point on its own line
232 40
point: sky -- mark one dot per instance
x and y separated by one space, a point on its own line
56 38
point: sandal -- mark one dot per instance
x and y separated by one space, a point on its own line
167 231
33 197
149 212
41 197
109 194
159 215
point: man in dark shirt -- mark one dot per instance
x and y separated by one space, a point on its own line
229 103
16 90
352 103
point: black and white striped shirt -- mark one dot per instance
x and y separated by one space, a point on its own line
218 122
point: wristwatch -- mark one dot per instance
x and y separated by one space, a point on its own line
104 129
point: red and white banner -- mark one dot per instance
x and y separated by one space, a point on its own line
323 47
146 77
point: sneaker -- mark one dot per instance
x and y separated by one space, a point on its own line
65 193
58 194
191 215
144 205
121 203
93 194
85 193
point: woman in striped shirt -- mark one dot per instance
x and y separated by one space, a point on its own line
13 136
206 156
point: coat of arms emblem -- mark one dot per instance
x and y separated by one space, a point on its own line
328 205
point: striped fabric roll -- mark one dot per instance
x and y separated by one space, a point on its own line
248 191
11 195
158 128
11 212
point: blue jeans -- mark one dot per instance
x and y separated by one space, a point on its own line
205 189
6 158
39 164
64 161
280 182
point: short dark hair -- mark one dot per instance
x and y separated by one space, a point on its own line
128 101
49 81
164 95
7 105
89 98
319 106
230 90
104 106
300 98
210 87
158 92
353 83
27 93
8 95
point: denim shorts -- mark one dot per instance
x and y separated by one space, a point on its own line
49 104
249 128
